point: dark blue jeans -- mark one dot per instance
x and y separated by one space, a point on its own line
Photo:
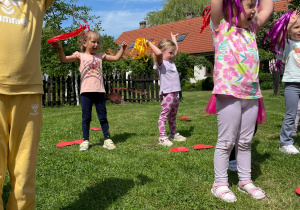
87 101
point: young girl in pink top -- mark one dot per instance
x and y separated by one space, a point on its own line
169 88
92 88
236 86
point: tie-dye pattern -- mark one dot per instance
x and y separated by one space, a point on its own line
236 61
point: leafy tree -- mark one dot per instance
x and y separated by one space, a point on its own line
175 10
108 44
57 21
294 5
185 65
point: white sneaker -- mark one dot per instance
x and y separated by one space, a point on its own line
232 165
84 146
289 149
164 141
109 144
177 137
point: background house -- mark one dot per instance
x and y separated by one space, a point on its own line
189 40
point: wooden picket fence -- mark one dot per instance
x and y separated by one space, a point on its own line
59 91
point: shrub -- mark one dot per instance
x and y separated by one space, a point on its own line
265 81
208 83
188 86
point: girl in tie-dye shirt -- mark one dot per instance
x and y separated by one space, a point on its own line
234 24
236 61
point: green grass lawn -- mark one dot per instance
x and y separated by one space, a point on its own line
140 174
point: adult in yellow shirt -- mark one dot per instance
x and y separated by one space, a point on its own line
21 91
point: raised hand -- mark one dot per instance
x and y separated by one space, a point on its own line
294 18
124 45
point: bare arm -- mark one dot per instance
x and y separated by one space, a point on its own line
266 9
216 12
174 39
63 58
118 56
157 52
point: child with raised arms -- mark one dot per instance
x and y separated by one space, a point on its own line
165 54
234 25
286 44
92 87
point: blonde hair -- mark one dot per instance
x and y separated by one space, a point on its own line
165 44
85 38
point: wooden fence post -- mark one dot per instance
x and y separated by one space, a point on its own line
69 88
147 87
156 89
74 87
49 91
79 86
63 90
125 86
134 87
129 80
44 95
152 86
58 92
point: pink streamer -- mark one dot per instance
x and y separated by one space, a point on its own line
212 105
278 33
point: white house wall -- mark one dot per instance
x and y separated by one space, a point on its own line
199 74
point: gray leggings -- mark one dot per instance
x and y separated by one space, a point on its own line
291 96
236 124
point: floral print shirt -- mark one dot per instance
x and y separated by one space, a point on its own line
236 61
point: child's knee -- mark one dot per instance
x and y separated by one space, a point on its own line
244 145
227 145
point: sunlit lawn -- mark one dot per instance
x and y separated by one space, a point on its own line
140 174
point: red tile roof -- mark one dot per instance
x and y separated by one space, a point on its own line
194 42
281 5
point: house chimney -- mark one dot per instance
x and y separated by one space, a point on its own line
189 15
142 24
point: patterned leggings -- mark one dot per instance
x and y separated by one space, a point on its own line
169 107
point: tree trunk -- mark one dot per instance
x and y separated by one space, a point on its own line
276 82
76 86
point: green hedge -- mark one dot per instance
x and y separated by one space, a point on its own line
265 81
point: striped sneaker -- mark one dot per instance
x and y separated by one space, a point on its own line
109 144
84 146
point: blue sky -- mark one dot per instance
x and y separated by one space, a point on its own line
118 16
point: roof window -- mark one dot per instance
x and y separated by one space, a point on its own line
181 37
132 45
